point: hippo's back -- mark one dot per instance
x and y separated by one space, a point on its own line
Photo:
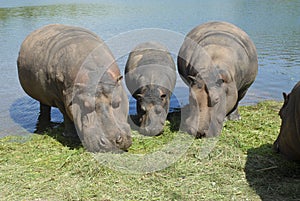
220 43
150 63
222 34
50 58
149 53
229 44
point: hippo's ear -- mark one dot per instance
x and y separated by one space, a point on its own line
196 81
162 93
284 95
139 97
192 78
119 78
285 98
283 108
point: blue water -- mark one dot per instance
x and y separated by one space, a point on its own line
273 25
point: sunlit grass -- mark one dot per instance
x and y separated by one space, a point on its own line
241 166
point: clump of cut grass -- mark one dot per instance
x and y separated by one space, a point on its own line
238 165
145 144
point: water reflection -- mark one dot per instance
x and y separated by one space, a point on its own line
25 111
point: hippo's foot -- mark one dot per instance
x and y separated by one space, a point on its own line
70 130
235 116
42 126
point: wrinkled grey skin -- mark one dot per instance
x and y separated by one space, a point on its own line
72 69
150 76
288 140
219 63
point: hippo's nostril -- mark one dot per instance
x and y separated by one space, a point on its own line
119 139
102 141
200 134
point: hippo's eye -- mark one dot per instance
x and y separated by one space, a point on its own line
199 85
115 104
219 82
163 96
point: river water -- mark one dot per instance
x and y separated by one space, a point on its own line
273 25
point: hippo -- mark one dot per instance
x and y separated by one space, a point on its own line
72 69
218 62
150 76
288 140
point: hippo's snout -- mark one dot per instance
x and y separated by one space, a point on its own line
152 130
194 131
115 139
153 121
201 134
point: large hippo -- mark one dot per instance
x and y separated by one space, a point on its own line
150 76
288 140
219 63
72 69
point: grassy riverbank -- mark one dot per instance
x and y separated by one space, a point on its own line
241 166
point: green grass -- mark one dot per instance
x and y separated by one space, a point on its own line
241 166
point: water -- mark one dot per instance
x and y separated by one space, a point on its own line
273 25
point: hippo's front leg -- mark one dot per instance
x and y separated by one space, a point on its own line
70 130
44 118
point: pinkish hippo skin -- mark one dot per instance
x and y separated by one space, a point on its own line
150 76
219 63
72 69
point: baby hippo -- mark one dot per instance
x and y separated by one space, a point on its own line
150 76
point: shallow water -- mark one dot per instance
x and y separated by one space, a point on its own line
273 25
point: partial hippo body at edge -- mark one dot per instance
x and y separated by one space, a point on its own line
150 76
72 69
219 63
288 140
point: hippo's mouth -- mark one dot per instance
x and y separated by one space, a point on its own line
194 131
149 131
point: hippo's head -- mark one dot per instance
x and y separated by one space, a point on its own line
283 113
152 108
100 111
287 142
208 101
